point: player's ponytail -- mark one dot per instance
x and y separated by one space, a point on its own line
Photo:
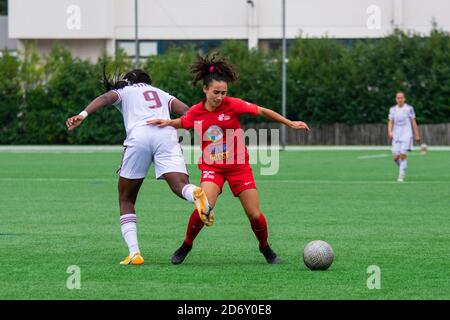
212 67
117 81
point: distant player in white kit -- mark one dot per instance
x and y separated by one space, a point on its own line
139 101
402 123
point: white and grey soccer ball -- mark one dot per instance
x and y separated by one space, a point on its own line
423 148
318 255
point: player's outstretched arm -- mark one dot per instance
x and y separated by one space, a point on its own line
274 116
105 99
161 123
178 107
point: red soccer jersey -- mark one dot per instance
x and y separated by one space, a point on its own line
222 144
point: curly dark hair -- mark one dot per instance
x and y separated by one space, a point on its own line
212 67
117 81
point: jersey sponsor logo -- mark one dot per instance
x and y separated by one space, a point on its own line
216 148
223 117
214 134
219 157
218 151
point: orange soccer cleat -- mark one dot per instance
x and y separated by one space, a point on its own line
136 259
203 208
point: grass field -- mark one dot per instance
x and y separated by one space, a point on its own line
60 209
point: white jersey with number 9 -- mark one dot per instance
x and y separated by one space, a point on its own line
141 102
146 144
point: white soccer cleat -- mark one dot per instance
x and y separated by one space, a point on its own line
401 178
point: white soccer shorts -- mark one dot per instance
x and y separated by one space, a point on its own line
148 144
401 146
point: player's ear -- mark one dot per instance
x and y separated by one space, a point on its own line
205 89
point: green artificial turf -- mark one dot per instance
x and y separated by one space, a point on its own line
60 209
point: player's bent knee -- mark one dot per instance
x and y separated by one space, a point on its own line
253 215
126 207
126 200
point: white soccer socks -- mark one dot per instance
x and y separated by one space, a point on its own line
188 192
403 167
129 232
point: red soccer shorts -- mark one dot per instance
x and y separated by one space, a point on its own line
238 180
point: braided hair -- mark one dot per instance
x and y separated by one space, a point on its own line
117 81
212 67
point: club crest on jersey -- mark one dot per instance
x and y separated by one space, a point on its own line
223 117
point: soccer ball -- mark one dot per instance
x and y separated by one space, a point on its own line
318 255
423 148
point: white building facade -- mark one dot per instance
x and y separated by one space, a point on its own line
90 27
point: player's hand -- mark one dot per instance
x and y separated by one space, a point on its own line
160 123
299 125
417 138
74 122
391 136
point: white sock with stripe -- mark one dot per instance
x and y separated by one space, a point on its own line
129 232
188 192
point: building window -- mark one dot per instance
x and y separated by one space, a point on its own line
127 46
149 48
12 53
268 45
201 46
146 48
3 7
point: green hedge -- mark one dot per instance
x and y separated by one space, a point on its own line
327 82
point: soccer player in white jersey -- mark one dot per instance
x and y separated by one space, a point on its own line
402 123
139 101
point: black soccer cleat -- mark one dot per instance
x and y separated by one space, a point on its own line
270 255
181 253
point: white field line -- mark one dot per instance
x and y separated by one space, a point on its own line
373 156
116 148
60 149
152 180
384 155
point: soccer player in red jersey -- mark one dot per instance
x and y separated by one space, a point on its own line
224 154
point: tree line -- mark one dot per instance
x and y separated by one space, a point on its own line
328 81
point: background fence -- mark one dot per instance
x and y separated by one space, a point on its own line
363 134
